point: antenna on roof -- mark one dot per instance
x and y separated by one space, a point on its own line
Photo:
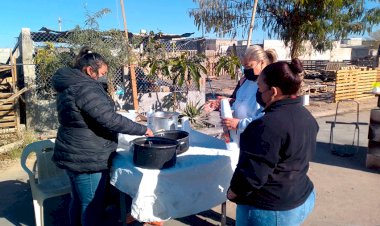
60 23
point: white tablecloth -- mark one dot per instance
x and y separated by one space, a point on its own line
198 181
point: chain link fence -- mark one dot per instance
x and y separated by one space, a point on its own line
118 79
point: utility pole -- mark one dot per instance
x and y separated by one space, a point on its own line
59 24
131 66
252 24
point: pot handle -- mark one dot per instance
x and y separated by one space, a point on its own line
178 148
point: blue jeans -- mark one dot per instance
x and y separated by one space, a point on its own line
252 216
87 198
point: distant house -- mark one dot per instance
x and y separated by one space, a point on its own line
4 55
219 45
344 50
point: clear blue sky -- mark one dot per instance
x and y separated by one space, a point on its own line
167 16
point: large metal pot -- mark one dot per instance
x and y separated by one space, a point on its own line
154 152
164 120
181 136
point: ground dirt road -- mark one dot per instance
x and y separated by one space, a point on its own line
347 192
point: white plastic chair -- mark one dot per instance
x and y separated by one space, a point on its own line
46 179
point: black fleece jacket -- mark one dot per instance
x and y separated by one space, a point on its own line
89 124
275 151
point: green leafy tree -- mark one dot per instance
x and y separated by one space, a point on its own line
110 44
293 21
155 58
47 62
375 35
375 39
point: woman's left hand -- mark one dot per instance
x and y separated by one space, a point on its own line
230 194
230 123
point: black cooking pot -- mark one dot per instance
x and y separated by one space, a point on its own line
181 136
154 152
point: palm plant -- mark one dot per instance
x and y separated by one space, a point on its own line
157 66
155 58
229 63
180 69
185 68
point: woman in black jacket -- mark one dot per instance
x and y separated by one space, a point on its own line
87 134
270 184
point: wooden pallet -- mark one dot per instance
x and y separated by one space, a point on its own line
9 120
8 117
354 84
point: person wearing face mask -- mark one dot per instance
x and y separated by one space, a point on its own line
246 105
87 135
270 183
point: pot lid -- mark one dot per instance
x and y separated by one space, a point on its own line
165 114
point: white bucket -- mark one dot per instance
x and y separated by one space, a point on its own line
305 99
185 124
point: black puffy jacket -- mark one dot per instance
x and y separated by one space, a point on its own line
89 124
275 152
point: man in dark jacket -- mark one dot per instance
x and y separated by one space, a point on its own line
87 135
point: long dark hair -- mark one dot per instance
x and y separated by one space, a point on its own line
283 75
87 58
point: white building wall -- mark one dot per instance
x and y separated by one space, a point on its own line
338 53
283 53
353 41
219 45
311 54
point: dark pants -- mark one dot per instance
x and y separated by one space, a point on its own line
87 198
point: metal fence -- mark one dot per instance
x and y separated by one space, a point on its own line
314 64
120 79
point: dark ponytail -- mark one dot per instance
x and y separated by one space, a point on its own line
86 58
285 76
296 66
